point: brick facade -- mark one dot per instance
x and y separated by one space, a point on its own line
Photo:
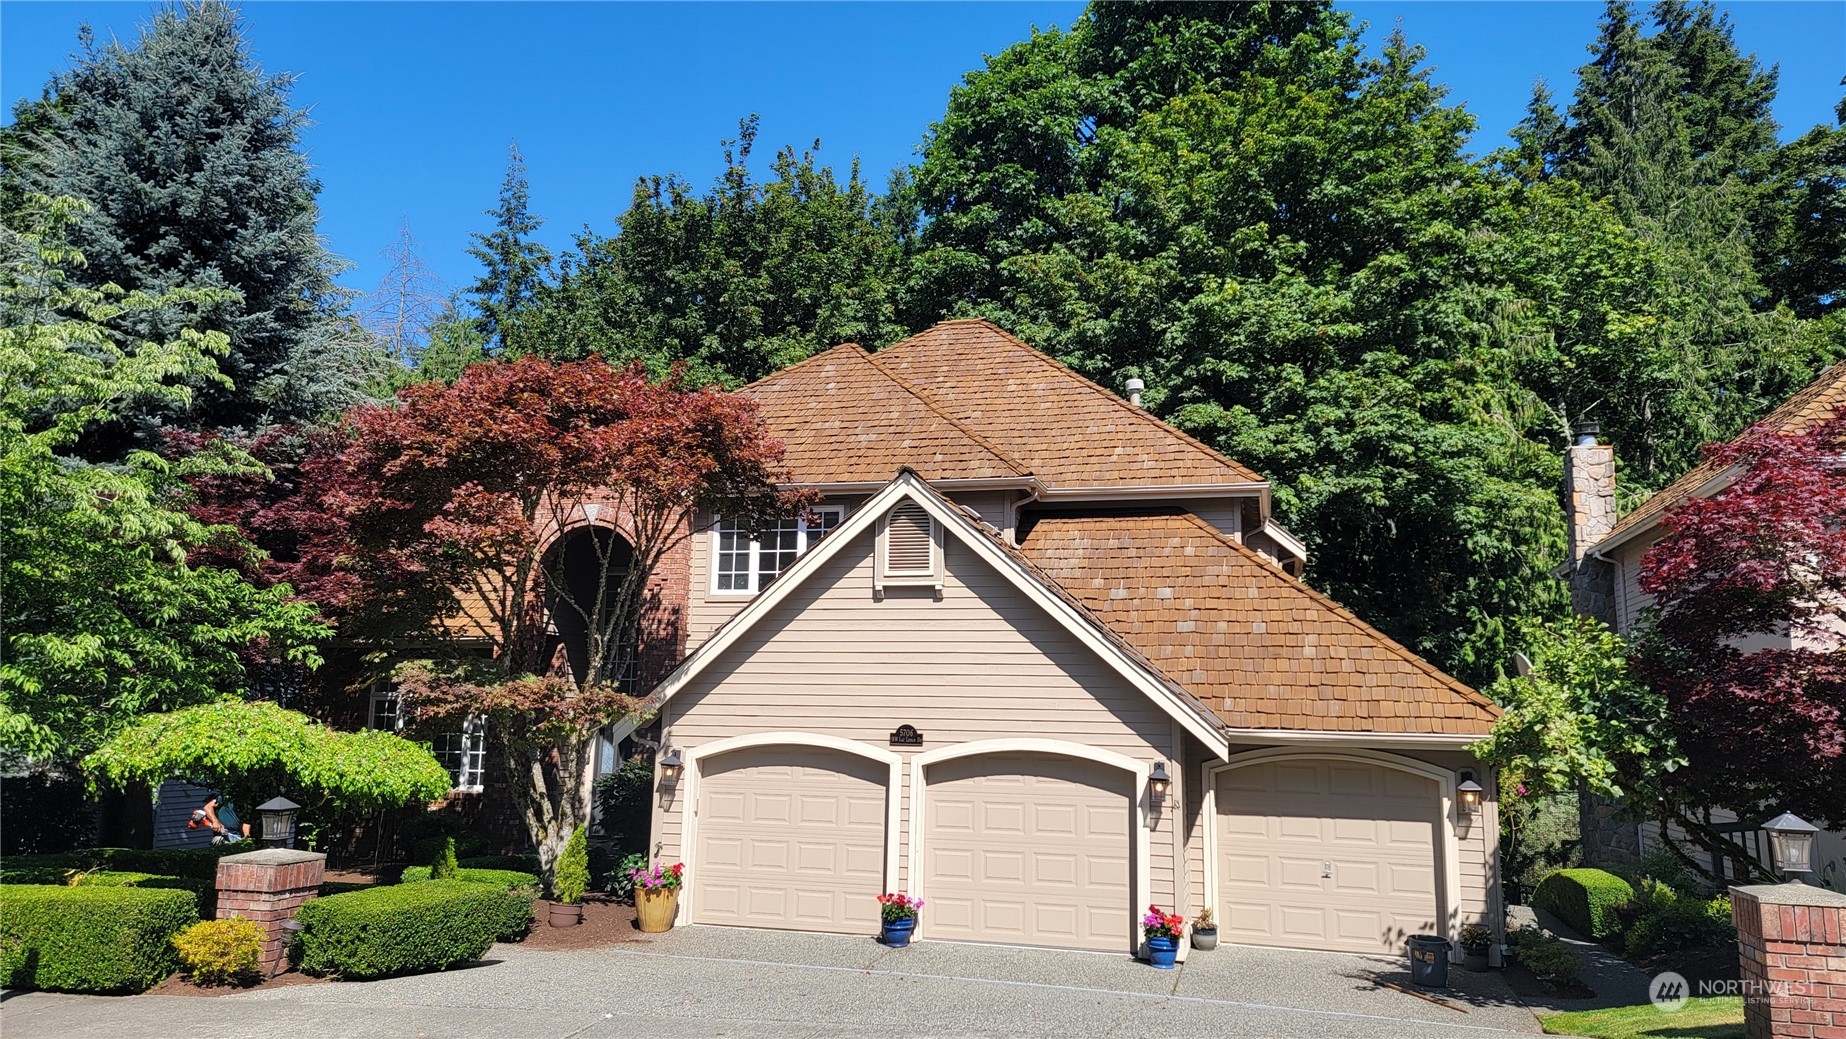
266 887
1792 947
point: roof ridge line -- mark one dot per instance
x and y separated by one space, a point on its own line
815 356
1409 655
929 402
1141 413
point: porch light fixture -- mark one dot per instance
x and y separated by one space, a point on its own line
1470 792
1157 782
278 818
670 767
1792 838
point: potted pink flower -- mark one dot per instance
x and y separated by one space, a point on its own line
898 915
657 896
1163 932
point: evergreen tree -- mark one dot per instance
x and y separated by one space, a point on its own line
189 157
740 280
1802 225
514 263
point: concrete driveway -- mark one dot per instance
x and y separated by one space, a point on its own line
709 981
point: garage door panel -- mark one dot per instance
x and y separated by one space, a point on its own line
1283 827
1047 841
791 837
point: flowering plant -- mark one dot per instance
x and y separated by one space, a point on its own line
658 877
898 907
1157 924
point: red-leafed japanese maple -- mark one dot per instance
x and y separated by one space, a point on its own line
440 516
1748 643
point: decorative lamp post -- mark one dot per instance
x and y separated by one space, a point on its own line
1792 838
278 816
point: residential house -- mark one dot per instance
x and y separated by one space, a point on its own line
1043 660
1606 553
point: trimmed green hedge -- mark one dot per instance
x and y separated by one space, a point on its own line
91 938
521 889
204 892
405 929
517 863
1589 900
196 863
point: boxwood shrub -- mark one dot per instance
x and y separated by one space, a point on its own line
90 938
520 889
196 863
1589 900
404 929
520 863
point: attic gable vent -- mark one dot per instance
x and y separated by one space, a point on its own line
909 548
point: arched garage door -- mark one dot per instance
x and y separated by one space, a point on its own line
791 837
1029 848
1320 853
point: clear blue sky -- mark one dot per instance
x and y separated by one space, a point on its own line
414 103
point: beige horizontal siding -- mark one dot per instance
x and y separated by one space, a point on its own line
980 662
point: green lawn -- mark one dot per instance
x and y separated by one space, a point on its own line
1710 1017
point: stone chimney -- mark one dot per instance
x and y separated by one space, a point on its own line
1589 491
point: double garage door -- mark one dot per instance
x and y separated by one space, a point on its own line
1326 854
1033 849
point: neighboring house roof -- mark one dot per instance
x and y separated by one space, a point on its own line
842 418
1261 649
965 400
1819 401
1173 698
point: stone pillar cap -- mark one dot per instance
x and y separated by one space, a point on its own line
1793 895
274 857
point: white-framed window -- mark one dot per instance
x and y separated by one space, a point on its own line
463 753
741 566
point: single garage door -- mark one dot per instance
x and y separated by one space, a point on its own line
1031 848
1326 854
790 837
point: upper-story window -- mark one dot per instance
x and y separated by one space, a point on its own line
741 566
463 753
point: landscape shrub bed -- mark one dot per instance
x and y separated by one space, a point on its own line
196 863
407 928
518 863
520 889
1589 900
1670 921
90 938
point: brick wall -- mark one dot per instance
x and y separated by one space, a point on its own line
266 887
1792 947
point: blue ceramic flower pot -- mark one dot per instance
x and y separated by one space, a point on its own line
1161 952
897 932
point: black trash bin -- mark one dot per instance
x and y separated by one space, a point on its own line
1429 961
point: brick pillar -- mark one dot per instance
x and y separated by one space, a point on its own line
267 887
1791 942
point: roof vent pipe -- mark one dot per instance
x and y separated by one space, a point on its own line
1587 433
1135 386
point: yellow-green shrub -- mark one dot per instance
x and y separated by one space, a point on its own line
221 952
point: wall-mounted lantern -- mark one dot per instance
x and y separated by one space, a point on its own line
1471 793
278 819
671 765
1792 839
1158 782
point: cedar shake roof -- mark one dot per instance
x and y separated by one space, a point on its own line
1065 429
842 418
1259 648
965 400
1822 398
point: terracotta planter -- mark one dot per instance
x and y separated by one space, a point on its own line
654 910
561 915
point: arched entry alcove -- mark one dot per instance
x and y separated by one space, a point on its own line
584 564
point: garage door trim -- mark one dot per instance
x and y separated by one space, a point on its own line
1447 847
919 780
689 790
